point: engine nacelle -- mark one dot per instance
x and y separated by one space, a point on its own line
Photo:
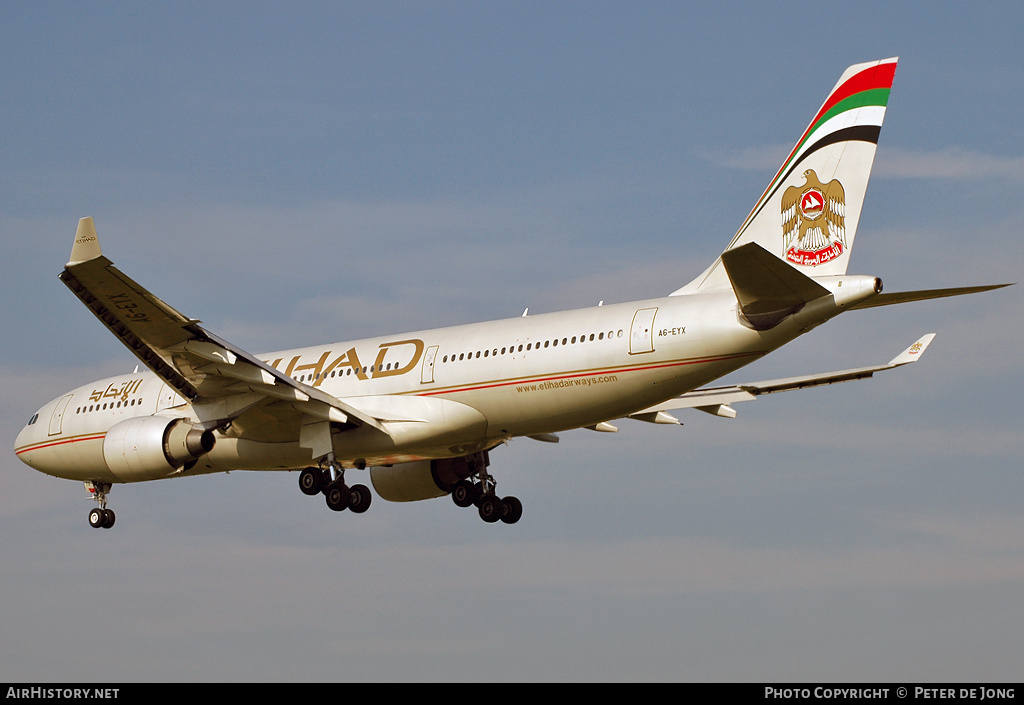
424 479
151 447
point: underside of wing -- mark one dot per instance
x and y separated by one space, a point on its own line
716 400
223 382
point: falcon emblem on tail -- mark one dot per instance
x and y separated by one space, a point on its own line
813 221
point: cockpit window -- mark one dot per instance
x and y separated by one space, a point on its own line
35 417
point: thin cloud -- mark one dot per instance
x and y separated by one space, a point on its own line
950 163
766 158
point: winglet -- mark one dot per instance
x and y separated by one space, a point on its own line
913 353
86 246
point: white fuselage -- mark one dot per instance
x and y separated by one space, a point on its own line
449 391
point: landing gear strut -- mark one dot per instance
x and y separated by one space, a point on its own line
100 517
329 479
481 493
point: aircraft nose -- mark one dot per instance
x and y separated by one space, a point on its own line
25 438
21 441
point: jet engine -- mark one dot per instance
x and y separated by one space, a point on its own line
151 447
424 479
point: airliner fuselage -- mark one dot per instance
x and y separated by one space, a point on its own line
485 382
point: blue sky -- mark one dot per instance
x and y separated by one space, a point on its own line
302 173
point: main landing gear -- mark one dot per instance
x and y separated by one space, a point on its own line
481 493
100 517
478 489
329 480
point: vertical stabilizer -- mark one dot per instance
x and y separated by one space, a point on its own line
808 215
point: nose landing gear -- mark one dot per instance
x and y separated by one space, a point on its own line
100 517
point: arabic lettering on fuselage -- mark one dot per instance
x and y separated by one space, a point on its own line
117 390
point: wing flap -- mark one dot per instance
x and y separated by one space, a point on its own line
715 400
701 398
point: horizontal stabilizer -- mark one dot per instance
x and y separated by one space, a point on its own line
767 288
902 297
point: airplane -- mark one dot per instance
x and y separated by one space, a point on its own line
423 410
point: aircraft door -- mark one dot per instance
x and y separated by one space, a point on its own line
58 415
641 334
427 371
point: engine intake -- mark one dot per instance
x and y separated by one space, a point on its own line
151 447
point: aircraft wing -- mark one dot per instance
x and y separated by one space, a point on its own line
716 400
221 380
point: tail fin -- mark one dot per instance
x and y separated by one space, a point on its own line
808 215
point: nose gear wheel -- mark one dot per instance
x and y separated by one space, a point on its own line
100 517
